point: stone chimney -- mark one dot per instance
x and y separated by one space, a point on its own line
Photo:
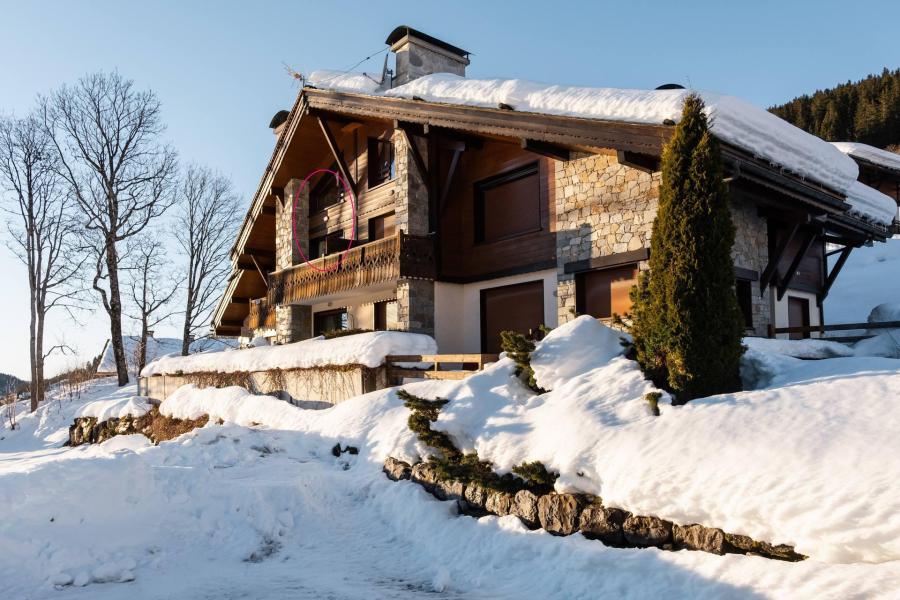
420 54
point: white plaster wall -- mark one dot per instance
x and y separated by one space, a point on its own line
457 310
781 311
360 307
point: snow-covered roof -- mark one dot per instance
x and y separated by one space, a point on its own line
882 158
735 121
157 347
870 204
369 349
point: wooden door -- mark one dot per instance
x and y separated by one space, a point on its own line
517 307
798 315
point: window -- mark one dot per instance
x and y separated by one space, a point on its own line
327 244
381 161
385 315
508 205
744 290
316 247
382 226
326 190
604 292
329 320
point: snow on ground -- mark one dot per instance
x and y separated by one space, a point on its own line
733 120
367 349
870 277
259 507
157 347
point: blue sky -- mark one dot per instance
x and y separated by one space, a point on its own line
218 68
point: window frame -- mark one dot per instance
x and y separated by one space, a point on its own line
374 142
495 181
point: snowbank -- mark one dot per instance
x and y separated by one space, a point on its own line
891 160
808 348
103 410
733 120
368 349
157 347
267 511
575 347
869 277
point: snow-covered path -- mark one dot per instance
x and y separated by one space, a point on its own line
188 516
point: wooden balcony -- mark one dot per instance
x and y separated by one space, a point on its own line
261 316
381 261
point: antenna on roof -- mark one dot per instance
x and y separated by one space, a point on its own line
292 73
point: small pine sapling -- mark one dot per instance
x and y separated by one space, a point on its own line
652 399
537 475
519 349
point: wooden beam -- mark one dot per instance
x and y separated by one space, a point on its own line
772 267
268 211
240 300
795 264
639 137
451 171
414 151
231 323
547 149
259 253
845 254
420 129
338 156
636 160
260 271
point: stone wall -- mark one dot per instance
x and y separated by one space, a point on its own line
602 208
415 306
293 322
605 208
751 251
566 514
286 254
411 192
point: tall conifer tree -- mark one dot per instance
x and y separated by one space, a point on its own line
687 325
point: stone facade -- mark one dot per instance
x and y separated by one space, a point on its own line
286 254
605 208
751 252
293 322
602 208
411 192
415 306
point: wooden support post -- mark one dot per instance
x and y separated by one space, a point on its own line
338 156
845 254
772 267
795 264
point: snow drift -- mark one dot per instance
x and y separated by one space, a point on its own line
367 349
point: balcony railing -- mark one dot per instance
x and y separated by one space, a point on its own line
261 316
381 261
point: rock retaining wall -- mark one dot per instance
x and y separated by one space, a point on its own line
565 514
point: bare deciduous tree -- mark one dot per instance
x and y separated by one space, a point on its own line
41 230
152 286
207 217
108 137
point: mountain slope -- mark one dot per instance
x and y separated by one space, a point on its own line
865 111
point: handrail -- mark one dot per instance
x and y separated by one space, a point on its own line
773 331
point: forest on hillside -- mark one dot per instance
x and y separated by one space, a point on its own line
9 383
865 111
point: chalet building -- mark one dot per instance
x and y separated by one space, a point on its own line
468 219
878 168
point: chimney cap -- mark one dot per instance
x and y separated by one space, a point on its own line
404 30
279 118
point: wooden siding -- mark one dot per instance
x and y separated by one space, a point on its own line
462 258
